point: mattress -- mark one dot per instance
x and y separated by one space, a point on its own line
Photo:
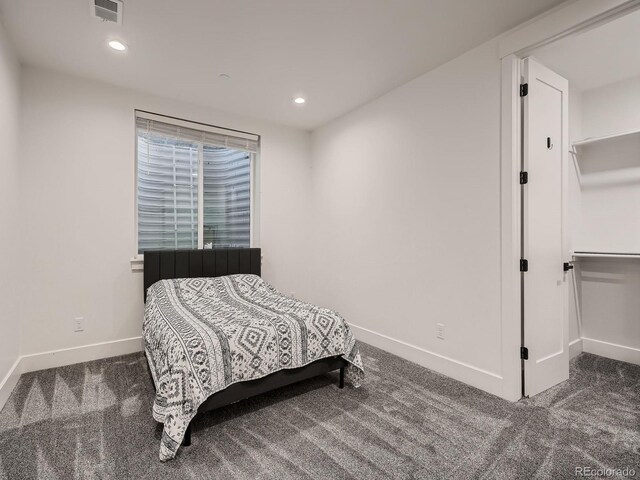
203 334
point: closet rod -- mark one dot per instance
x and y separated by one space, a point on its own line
607 254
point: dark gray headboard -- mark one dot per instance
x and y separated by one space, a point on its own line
165 264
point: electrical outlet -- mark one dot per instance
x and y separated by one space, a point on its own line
78 324
440 331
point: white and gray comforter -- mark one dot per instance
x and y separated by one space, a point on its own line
203 334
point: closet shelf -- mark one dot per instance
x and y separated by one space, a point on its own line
605 255
591 140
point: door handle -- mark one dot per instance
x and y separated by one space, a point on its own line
549 144
567 266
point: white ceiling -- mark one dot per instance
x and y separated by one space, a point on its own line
598 57
337 53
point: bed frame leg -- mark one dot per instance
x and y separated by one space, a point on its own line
186 442
341 385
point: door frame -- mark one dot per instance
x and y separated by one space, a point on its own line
569 18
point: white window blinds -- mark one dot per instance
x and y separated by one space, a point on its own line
227 197
167 193
193 187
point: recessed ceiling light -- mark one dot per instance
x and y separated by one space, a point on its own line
299 100
117 45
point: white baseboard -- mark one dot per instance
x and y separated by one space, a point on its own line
9 382
611 350
65 356
84 353
477 377
575 347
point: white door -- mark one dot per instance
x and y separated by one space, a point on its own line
544 240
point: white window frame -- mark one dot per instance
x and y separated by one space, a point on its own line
137 261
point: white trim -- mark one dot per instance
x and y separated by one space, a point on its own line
135 188
84 353
137 263
65 356
474 376
611 350
567 19
485 380
254 205
510 229
575 347
9 382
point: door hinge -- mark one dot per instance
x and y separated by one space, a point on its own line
524 353
524 178
567 266
524 265
524 89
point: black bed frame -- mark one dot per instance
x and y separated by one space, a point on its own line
167 264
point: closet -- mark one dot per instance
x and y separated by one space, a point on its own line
603 186
606 234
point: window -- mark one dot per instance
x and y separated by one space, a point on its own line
194 185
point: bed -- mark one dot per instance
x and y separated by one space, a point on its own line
216 333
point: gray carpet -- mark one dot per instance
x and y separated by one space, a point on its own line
93 420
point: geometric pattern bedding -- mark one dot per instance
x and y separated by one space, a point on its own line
203 334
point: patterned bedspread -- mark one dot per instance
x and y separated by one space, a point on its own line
203 334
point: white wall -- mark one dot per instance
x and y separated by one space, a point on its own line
406 205
77 199
610 210
611 109
10 202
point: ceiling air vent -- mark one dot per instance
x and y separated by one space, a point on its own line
107 10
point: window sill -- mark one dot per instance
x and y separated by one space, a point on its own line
137 263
